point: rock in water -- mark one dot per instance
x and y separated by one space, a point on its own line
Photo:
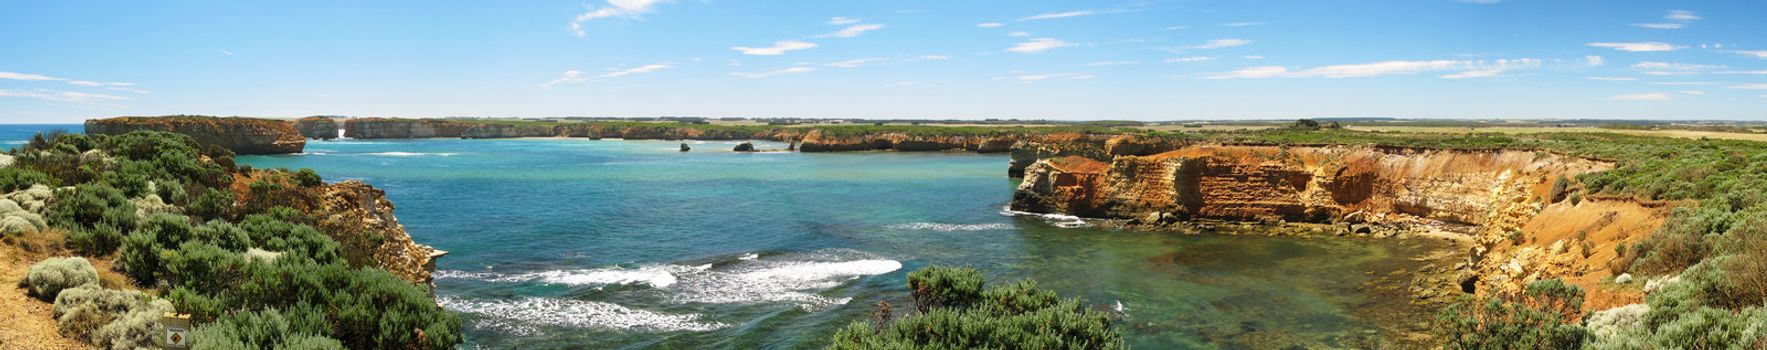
684 147
745 147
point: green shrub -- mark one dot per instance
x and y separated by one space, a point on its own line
1537 319
1710 328
936 287
89 206
50 276
301 327
307 178
1017 316
212 204
108 318
16 178
99 240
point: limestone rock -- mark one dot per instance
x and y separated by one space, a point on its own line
240 135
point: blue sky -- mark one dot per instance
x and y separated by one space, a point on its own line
65 61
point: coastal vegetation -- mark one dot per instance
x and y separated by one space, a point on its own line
953 310
245 264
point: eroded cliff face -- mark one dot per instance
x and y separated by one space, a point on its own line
393 128
240 135
322 128
361 218
1497 201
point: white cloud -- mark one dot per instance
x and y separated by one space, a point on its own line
26 76
614 8
1681 15
1039 45
578 77
1462 69
1684 83
1756 53
1745 72
852 31
1243 24
1251 73
1177 28
989 25
1483 73
934 57
1653 96
1032 78
225 52
1112 63
1594 60
1187 59
1054 15
855 63
773 73
1648 46
1252 57
1018 34
1667 73
1613 78
779 47
1749 86
61 96
1217 44
1693 92
1658 25
1653 65
841 21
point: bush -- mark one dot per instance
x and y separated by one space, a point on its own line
1537 319
936 287
1015 316
108 318
307 178
15 219
99 240
212 204
50 276
300 327
90 207
16 178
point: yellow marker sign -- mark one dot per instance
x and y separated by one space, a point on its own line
177 331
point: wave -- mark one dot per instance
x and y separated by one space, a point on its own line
749 278
654 276
518 316
943 227
1059 220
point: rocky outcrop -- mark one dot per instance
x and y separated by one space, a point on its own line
396 128
744 147
361 219
1311 184
240 135
322 128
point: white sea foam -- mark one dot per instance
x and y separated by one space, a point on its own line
943 227
1059 220
793 278
653 276
520 315
408 154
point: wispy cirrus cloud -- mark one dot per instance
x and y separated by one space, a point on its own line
578 77
1039 45
1111 63
989 25
841 21
1187 59
1032 78
852 31
778 48
1651 96
1749 86
856 63
1243 24
1055 15
774 73
1594 61
1646 46
113 86
1756 53
1676 20
1459 69
1673 69
1220 43
1613 78
61 96
614 8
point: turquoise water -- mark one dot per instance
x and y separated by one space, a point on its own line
581 244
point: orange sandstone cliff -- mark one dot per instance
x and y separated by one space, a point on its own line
322 128
240 135
1502 203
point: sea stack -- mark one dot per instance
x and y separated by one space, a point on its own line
684 147
745 147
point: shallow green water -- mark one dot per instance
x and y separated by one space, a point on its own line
580 244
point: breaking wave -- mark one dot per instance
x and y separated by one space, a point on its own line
519 316
797 278
943 227
1059 220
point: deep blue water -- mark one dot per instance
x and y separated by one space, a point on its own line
581 244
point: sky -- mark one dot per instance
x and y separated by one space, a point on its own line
67 61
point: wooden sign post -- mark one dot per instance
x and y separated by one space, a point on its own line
177 331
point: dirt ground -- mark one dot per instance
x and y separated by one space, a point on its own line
25 322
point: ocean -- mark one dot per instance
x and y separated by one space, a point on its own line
613 244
